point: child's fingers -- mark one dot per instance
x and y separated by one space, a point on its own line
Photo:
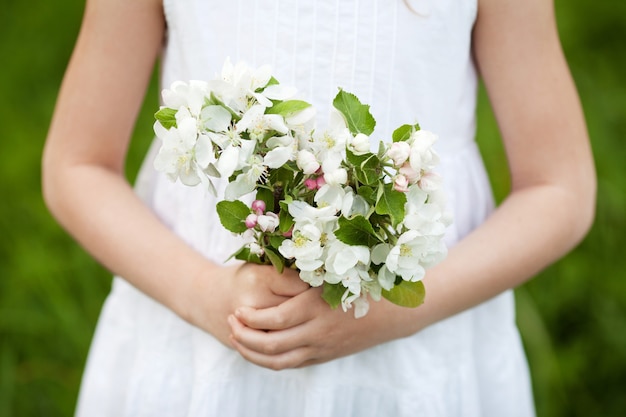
289 359
292 312
273 349
266 277
288 284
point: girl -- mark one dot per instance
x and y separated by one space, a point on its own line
184 334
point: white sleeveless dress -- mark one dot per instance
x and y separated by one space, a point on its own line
145 361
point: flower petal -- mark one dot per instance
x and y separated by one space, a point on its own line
216 118
278 157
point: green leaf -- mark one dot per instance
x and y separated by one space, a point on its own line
357 115
366 167
245 255
402 133
406 294
272 81
382 149
356 231
276 241
233 214
275 259
332 293
281 178
368 193
267 196
285 221
369 171
167 117
356 160
391 202
287 108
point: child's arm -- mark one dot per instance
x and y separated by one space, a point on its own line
84 184
549 210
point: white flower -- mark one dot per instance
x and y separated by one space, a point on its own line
190 95
373 288
307 162
361 307
247 180
423 157
176 157
278 157
258 124
279 92
360 302
380 252
430 181
359 144
338 176
235 156
267 222
226 138
386 278
399 152
303 212
305 246
215 118
204 154
330 195
405 257
342 258
435 253
246 82
282 150
256 249
329 145
302 122
353 204
422 215
314 278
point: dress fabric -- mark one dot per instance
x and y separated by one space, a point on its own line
411 66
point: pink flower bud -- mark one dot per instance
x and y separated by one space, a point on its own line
310 183
289 233
258 206
401 183
411 174
320 182
251 220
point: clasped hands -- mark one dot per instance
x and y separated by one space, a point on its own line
277 321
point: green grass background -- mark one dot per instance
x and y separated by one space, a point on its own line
572 316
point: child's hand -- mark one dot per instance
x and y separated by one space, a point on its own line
212 298
304 330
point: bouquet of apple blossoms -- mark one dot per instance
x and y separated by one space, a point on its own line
350 219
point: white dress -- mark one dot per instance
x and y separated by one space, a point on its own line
145 361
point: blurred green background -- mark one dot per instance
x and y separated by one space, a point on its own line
572 317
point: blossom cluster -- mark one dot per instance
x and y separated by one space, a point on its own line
357 222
